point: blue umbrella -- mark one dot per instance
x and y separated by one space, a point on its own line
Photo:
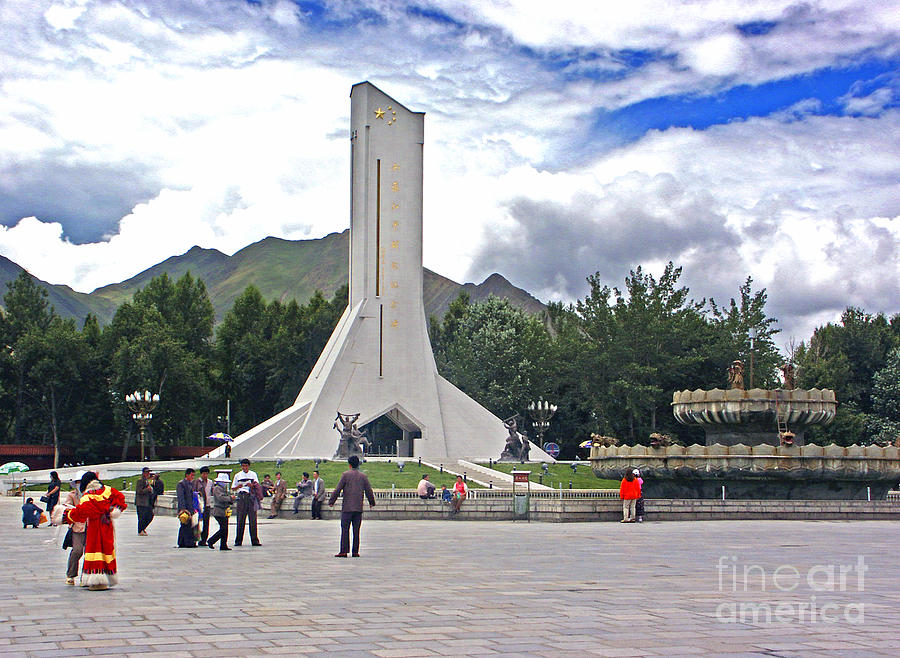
220 436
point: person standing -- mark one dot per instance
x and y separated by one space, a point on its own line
639 506
52 495
222 502
204 487
353 484
318 495
629 492
76 538
143 501
184 490
98 507
279 493
159 488
247 503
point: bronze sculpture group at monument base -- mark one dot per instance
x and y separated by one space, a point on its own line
353 441
517 445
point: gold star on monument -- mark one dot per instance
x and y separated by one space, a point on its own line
379 113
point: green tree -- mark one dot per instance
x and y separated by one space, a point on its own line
161 341
27 311
54 360
845 357
495 353
265 352
885 424
732 326
646 341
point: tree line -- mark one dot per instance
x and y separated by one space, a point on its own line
610 362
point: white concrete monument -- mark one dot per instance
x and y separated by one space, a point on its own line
379 362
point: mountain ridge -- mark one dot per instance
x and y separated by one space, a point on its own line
281 269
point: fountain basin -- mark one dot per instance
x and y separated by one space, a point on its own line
760 472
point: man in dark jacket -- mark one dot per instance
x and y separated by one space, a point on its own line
204 487
353 484
185 492
143 501
31 514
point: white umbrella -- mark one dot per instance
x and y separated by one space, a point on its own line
13 467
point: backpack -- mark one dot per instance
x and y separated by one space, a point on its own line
257 491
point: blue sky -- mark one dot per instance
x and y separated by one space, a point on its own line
735 139
825 86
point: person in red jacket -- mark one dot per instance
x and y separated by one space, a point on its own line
98 507
629 492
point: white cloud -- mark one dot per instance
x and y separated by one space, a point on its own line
63 17
218 125
810 209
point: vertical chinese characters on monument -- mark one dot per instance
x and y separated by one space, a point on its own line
390 257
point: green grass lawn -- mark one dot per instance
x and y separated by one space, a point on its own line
583 478
381 474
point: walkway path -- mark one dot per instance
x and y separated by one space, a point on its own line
459 589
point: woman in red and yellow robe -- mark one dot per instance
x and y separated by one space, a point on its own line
98 507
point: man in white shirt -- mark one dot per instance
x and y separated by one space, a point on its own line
425 489
247 502
318 495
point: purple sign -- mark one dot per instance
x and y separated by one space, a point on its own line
551 449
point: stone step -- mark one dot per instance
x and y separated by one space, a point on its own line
499 479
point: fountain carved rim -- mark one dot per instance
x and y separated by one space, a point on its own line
736 407
781 395
741 450
863 460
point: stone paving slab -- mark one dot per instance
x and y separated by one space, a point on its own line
465 589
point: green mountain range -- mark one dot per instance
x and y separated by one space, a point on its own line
280 269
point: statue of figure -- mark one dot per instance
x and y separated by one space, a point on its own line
736 375
788 371
349 444
513 449
525 449
360 442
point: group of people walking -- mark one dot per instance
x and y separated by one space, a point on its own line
203 499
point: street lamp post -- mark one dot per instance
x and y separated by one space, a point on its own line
752 334
141 404
541 412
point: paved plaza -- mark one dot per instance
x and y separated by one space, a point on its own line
458 588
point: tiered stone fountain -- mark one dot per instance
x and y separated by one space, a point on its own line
751 454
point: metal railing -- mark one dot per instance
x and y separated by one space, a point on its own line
475 494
